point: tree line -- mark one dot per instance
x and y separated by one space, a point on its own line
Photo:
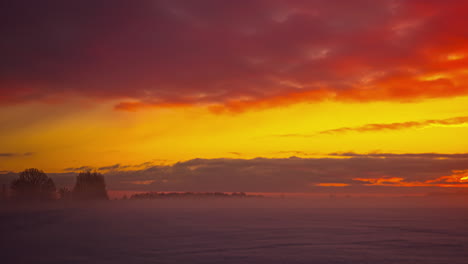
191 195
34 185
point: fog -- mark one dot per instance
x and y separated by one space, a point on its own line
267 230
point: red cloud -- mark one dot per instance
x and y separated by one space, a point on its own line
325 184
459 178
233 56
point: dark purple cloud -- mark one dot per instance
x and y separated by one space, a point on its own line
113 167
78 169
291 174
10 155
233 54
425 172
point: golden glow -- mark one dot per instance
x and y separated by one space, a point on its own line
102 136
436 76
455 56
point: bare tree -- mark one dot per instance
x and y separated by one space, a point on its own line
90 186
33 184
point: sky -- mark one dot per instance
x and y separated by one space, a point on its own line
303 96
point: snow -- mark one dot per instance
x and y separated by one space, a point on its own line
244 231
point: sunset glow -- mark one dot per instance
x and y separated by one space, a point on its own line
264 96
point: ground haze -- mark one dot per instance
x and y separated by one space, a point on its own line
233 231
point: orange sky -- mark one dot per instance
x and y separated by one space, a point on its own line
129 88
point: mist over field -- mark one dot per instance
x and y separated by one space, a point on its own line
263 230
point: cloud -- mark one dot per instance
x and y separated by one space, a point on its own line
295 152
459 178
463 120
143 165
112 167
389 181
10 155
403 155
328 184
359 174
232 56
78 169
148 182
455 121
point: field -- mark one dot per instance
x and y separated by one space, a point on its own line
247 231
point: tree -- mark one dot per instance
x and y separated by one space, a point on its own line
90 186
33 184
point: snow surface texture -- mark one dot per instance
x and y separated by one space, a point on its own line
230 232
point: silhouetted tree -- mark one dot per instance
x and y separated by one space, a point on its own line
33 184
90 186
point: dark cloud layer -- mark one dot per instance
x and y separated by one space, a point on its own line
362 173
110 167
232 55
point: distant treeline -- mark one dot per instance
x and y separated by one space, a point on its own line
34 185
192 195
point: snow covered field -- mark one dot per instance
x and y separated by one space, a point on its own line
245 231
